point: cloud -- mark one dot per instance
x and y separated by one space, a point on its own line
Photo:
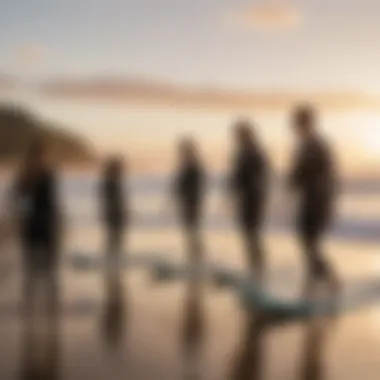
267 16
30 55
158 93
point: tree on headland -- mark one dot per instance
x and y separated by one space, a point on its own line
19 127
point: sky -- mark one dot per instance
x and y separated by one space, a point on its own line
268 45
275 44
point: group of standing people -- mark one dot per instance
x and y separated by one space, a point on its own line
312 177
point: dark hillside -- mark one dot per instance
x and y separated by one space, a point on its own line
18 128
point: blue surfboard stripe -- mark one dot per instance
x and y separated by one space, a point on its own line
166 269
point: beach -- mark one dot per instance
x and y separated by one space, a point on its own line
145 334
159 117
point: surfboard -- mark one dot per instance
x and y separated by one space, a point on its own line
355 295
162 268
88 262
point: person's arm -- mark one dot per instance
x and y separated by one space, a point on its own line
232 181
103 199
296 172
229 190
261 171
54 202
202 181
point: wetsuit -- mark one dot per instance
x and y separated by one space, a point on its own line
249 185
114 213
39 220
189 186
38 214
314 178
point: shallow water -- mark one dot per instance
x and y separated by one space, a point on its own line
146 336
153 331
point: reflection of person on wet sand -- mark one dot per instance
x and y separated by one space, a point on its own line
188 190
317 333
193 330
41 351
248 185
249 361
314 179
113 206
37 213
113 322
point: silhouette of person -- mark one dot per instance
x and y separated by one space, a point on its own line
189 186
114 207
193 329
313 177
38 216
249 361
248 187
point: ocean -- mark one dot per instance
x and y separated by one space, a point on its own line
143 330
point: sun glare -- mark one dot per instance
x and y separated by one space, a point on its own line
371 139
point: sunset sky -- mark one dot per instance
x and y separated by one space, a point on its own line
238 43
255 45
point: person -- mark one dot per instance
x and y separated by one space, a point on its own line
114 208
188 190
248 187
313 177
36 205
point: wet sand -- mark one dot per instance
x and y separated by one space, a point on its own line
173 331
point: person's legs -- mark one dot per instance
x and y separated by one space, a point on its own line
315 217
191 223
315 267
254 252
114 242
250 215
194 244
29 276
53 291
47 270
318 268
50 270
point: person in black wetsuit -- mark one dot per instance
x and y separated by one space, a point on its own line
37 211
189 186
248 187
114 209
313 177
